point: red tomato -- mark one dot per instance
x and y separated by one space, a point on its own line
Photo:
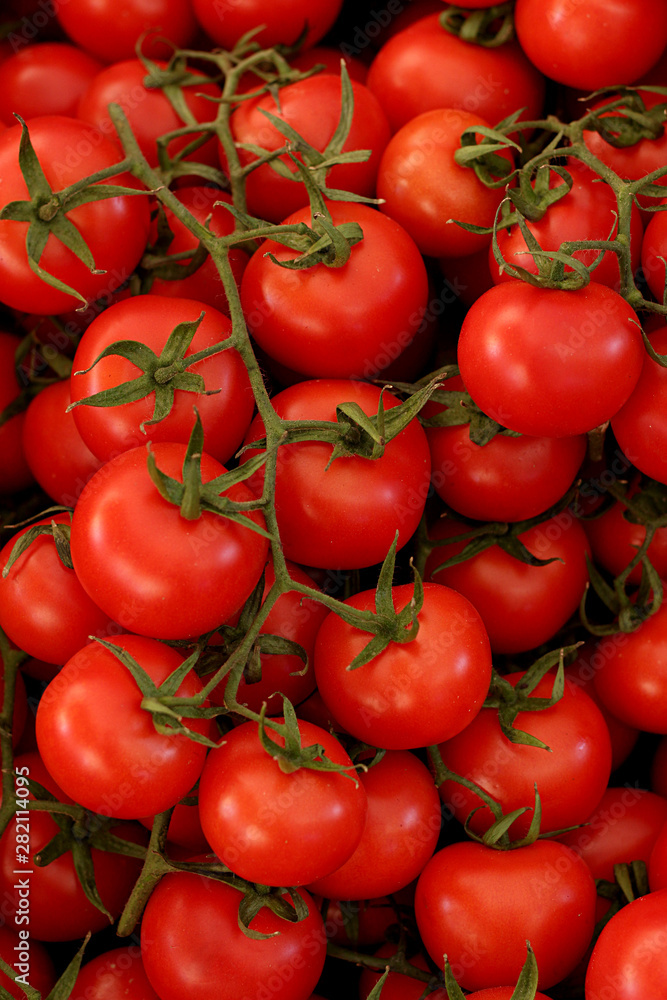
615 539
44 608
114 975
115 229
422 186
110 29
312 107
397 986
148 110
227 23
184 829
521 606
117 764
15 473
584 345
653 252
329 57
45 78
411 694
277 827
164 576
29 959
571 778
352 923
150 319
629 959
592 45
339 322
424 67
49 899
346 515
479 906
639 426
400 834
58 457
632 681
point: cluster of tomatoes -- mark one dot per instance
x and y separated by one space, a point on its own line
333 477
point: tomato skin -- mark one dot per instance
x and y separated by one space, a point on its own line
424 67
312 107
117 974
584 344
45 78
400 834
120 766
411 694
422 186
521 606
479 906
44 609
110 430
227 23
276 828
374 303
596 45
639 426
110 29
615 539
345 516
570 779
115 229
653 251
166 577
629 960
15 945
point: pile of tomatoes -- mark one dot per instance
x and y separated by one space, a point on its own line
333 485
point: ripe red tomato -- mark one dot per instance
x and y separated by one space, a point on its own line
312 107
338 322
115 229
400 834
653 251
424 67
522 606
397 986
227 23
117 763
114 975
584 345
45 78
639 426
422 186
150 319
344 516
571 777
615 539
29 959
479 906
280 827
411 694
164 576
592 45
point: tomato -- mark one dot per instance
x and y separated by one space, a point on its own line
115 229
150 319
400 834
411 694
48 898
114 975
632 680
584 344
329 57
479 906
653 251
501 993
397 986
205 285
15 473
148 109
117 764
587 212
571 777
110 29
422 186
56 453
184 830
296 619
339 322
164 576
354 923
312 107
227 23
629 960
522 606
44 608
594 45
274 827
46 78
424 67
615 539
507 479
346 515
639 426
29 959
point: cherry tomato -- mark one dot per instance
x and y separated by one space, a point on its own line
110 29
